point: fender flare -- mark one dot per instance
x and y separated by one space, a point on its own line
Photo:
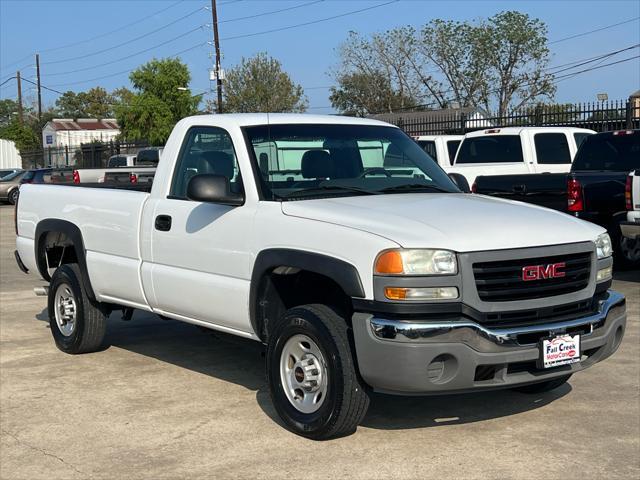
341 272
75 235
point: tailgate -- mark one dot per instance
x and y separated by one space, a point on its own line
544 189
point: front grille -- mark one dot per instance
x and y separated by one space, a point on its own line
502 281
537 316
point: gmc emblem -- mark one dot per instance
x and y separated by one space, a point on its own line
541 272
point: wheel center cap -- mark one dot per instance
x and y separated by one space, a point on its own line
308 373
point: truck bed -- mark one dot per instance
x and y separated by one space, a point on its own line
109 219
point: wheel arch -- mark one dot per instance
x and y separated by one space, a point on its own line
68 235
282 261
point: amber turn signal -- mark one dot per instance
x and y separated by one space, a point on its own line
389 263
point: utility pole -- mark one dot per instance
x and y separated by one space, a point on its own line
39 90
216 42
19 97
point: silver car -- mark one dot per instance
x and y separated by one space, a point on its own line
9 186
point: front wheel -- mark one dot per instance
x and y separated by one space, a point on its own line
312 377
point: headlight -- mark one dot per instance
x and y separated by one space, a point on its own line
603 245
416 262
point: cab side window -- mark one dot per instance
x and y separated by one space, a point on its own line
205 150
552 148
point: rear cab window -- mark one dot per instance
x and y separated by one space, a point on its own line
552 148
609 153
117 162
491 149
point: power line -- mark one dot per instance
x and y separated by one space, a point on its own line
145 35
269 13
592 31
93 67
125 71
573 74
119 29
42 86
594 59
353 12
576 63
8 80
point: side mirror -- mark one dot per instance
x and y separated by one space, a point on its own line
460 181
207 187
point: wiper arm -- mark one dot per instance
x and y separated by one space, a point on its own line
325 188
415 186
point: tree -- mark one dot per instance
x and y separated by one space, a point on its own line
366 93
259 84
160 99
8 110
375 75
70 105
94 103
23 136
515 49
496 63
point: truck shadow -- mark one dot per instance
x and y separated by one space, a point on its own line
241 361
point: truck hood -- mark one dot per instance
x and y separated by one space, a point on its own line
459 222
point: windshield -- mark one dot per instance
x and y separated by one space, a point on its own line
490 149
609 152
300 161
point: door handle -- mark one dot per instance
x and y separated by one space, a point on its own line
163 223
519 188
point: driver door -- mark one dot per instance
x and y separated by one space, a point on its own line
200 262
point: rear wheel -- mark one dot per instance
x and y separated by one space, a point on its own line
543 386
312 377
77 323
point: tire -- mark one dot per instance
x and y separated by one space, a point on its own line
12 198
544 386
343 401
628 252
77 324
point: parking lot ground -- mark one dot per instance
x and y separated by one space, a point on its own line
164 400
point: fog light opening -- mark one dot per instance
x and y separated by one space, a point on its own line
442 368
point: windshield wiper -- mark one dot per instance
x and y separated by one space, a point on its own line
326 188
414 186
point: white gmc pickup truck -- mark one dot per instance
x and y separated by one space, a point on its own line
345 249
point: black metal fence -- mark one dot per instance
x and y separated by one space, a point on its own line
87 155
598 116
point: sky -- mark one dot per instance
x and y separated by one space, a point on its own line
87 43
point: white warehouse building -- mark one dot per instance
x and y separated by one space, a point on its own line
61 132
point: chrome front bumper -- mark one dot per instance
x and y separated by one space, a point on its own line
438 357
485 339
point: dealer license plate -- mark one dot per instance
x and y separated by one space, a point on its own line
559 350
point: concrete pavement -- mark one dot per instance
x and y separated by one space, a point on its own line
165 400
